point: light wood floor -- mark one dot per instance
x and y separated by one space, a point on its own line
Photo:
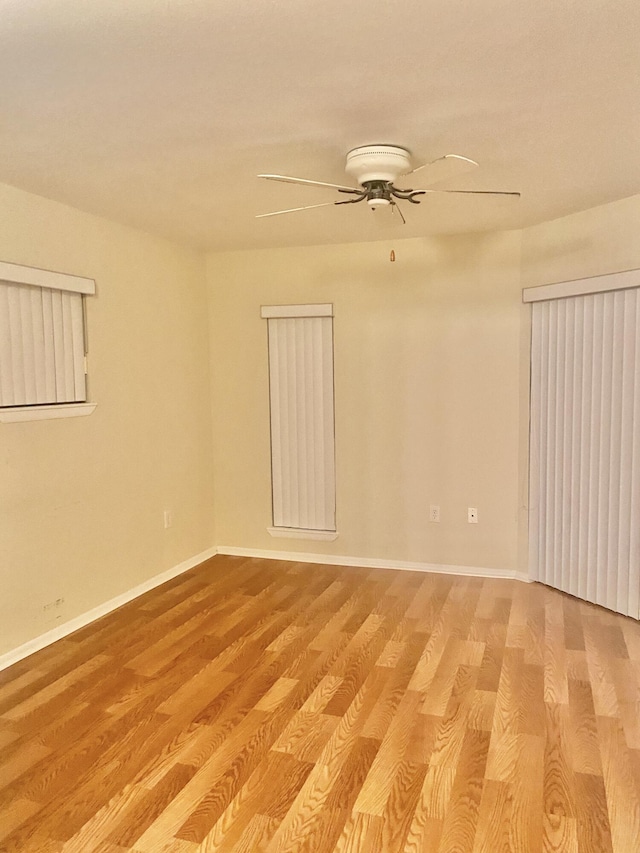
259 706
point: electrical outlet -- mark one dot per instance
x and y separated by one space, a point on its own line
472 514
168 519
434 513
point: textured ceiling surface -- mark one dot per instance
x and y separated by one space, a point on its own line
160 113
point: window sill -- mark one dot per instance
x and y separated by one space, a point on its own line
45 413
301 533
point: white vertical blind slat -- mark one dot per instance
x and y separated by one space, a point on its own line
49 346
17 352
604 472
292 421
28 319
550 515
302 348
67 348
534 446
585 447
543 433
7 391
37 333
301 397
575 446
275 391
560 491
58 345
594 450
584 469
77 348
614 463
310 356
329 476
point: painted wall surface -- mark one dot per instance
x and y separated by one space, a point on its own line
82 499
593 242
427 384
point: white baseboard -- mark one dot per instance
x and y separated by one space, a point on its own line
371 563
72 625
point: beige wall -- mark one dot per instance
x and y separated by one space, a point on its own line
598 241
82 500
427 377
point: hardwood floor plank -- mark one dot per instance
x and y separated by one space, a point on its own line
460 823
260 787
16 813
150 806
401 806
623 802
482 710
436 792
592 825
376 787
21 761
255 839
559 796
349 781
559 834
525 826
450 734
362 833
585 747
494 819
385 708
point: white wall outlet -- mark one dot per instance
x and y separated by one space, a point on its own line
434 513
168 519
472 514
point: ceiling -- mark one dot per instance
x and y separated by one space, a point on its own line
160 113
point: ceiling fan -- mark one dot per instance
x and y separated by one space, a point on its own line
376 168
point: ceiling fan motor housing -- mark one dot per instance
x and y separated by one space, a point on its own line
378 163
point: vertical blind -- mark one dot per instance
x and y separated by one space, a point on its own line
585 447
302 416
41 345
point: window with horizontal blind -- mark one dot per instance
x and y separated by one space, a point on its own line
42 337
302 420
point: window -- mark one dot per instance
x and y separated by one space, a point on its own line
302 420
42 343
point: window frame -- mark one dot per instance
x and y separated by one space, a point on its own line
314 491
48 280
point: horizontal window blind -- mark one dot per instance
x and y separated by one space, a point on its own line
41 345
302 418
585 447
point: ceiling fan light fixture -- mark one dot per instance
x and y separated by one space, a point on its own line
377 202
378 163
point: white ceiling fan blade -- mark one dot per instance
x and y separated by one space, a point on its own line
288 180
444 167
471 192
295 209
